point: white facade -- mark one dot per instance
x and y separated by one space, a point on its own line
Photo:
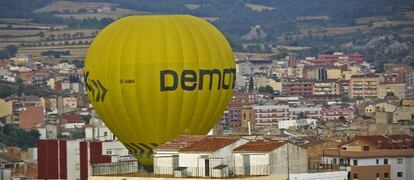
165 162
335 175
74 125
274 162
287 124
196 161
99 133
70 102
404 165
270 114
73 159
115 149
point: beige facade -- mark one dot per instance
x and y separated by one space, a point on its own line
397 89
246 113
6 108
326 88
264 81
365 86
334 73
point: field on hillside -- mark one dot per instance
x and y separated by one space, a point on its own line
61 6
114 14
258 8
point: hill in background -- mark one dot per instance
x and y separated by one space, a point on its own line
382 30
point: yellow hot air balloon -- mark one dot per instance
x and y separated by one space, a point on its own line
152 78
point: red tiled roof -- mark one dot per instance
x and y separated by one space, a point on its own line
71 118
397 141
260 146
179 143
210 144
369 154
31 116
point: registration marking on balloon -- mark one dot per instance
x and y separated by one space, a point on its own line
95 86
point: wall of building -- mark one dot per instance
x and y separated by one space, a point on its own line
6 108
73 159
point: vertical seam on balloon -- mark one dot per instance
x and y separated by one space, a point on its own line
180 117
224 93
209 103
106 77
135 100
193 120
125 110
167 124
103 112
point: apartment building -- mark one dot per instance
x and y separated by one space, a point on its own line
379 157
326 88
365 86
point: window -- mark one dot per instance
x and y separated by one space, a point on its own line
386 175
105 134
377 161
366 148
108 152
334 161
399 161
355 176
355 162
77 166
399 174
385 161
378 175
76 151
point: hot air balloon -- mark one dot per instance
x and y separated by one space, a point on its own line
153 78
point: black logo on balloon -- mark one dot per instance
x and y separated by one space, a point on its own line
95 86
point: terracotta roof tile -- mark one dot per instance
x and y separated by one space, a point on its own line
179 143
210 144
71 118
260 146
369 154
396 141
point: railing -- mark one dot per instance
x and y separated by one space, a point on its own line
133 169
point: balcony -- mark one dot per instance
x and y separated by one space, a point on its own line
133 169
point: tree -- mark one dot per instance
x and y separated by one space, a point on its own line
78 63
12 135
251 85
266 89
11 49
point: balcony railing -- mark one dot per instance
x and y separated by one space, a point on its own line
133 169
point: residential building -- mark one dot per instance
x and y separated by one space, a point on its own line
6 108
31 117
203 157
375 157
326 88
269 157
74 159
299 88
166 154
365 86
398 90
269 115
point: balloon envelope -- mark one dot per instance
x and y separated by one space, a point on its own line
152 78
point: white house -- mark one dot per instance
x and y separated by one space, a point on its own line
166 155
101 133
269 157
210 157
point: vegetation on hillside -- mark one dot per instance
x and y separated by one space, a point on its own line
12 135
